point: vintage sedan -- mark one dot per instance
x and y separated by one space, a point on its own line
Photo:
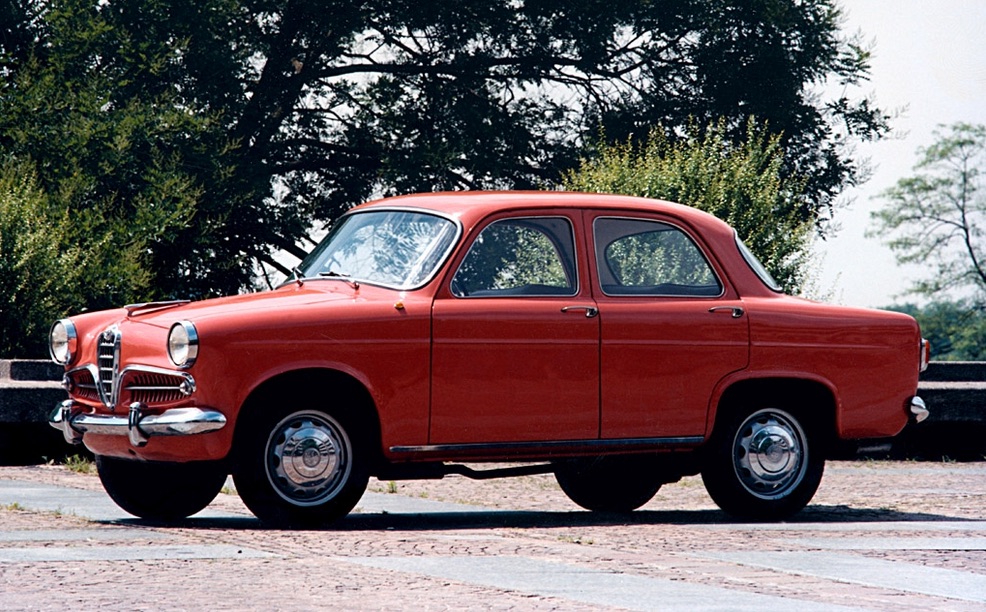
617 342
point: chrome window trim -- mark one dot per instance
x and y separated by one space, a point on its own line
575 255
701 249
756 265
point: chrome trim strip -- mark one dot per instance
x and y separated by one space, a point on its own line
186 387
542 447
676 224
132 308
138 426
111 339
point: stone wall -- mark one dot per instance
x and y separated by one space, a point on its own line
954 391
29 392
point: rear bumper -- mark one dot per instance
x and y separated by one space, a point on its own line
918 409
74 420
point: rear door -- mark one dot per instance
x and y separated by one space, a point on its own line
671 328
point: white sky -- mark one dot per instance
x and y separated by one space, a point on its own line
930 60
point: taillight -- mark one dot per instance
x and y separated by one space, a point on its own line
925 354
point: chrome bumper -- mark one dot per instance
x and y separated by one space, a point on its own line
73 421
918 409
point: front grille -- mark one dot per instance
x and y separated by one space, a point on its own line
152 387
83 384
108 364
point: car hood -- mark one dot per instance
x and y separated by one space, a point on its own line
283 299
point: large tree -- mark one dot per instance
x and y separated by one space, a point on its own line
266 116
936 217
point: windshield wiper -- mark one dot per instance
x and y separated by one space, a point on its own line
342 275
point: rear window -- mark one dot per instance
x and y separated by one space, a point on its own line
757 267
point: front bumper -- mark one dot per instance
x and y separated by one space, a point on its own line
74 420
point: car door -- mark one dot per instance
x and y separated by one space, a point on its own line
671 328
516 338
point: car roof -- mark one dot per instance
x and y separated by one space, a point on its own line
470 206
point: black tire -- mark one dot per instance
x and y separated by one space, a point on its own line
161 491
609 484
300 468
763 465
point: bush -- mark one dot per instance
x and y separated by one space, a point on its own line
741 184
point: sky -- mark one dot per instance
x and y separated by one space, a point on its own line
930 64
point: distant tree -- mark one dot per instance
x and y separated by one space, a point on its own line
742 184
936 217
219 131
954 329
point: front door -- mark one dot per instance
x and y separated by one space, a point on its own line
516 339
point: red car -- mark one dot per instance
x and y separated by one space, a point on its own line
617 342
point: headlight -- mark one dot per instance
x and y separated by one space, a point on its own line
183 344
62 341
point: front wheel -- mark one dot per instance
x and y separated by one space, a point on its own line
763 465
161 491
303 468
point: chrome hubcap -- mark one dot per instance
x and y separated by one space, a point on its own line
769 454
308 458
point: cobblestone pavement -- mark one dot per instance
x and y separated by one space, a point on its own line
878 536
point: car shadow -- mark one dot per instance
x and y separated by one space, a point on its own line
524 519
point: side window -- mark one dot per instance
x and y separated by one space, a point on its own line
528 256
638 257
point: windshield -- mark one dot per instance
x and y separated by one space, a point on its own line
393 248
757 267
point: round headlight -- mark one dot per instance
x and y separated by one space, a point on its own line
62 341
183 344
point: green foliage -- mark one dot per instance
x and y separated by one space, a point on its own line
656 258
935 218
954 329
80 464
742 184
203 135
51 264
512 254
35 270
100 112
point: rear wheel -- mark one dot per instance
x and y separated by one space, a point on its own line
161 491
300 467
764 464
609 484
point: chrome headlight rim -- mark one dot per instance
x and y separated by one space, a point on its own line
63 341
183 344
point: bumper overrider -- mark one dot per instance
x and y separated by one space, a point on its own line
74 420
918 409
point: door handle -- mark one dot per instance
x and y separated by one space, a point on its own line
736 311
590 311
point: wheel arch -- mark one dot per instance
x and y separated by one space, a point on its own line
811 401
343 393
